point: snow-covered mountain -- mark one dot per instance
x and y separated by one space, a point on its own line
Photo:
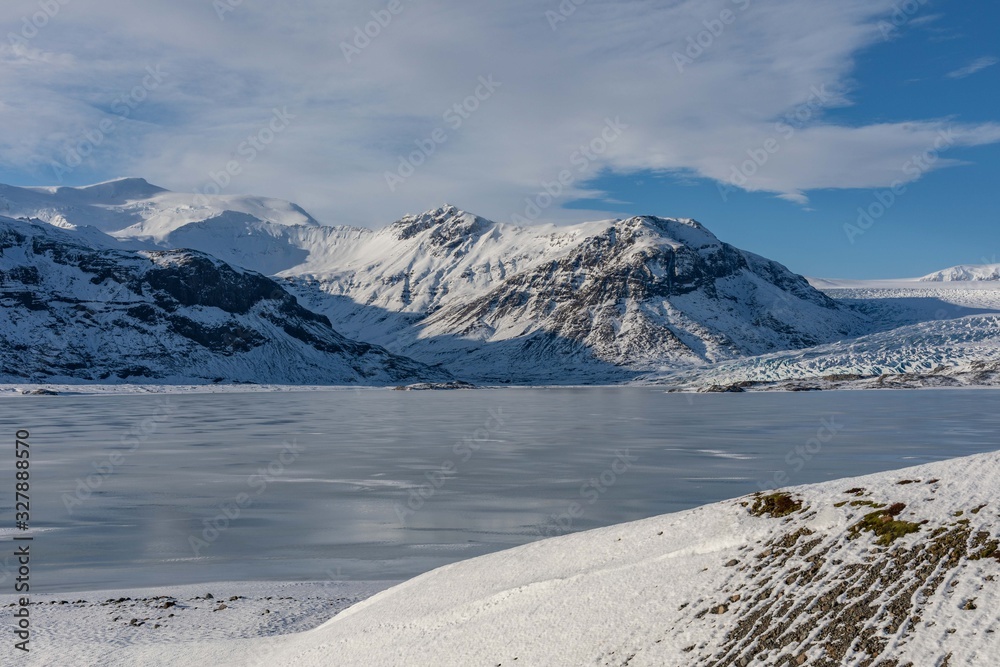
604 301
133 208
965 273
76 308
594 302
491 302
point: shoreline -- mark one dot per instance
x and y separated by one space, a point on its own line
11 391
74 628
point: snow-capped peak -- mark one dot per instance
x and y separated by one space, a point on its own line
448 222
668 231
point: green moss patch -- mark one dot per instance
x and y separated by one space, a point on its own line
884 525
777 504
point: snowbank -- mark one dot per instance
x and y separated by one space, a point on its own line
898 566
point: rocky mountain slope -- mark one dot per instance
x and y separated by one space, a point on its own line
77 308
648 292
594 302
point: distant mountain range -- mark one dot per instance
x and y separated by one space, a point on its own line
963 273
151 285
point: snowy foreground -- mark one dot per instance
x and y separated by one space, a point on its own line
897 568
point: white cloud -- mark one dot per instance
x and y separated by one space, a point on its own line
973 67
610 59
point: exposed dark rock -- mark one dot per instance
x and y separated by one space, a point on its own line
74 312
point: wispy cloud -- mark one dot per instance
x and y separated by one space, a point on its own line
973 67
355 117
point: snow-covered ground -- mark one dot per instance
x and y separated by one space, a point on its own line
84 628
890 569
82 389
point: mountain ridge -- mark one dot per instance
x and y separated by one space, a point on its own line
597 302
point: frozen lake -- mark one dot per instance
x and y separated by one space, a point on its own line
135 490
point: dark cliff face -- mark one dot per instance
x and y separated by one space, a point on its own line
96 314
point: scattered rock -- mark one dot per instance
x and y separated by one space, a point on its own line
737 388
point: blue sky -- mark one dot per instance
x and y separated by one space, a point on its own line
835 100
949 216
